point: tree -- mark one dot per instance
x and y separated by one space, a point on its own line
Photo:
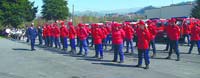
14 12
196 10
55 9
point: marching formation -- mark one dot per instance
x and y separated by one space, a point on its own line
100 35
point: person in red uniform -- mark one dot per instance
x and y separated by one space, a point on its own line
105 33
153 31
143 44
186 32
51 35
64 34
174 35
44 33
72 36
108 38
117 41
129 34
83 34
77 33
86 26
48 35
167 40
98 36
195 37
56 36
136 33
92 31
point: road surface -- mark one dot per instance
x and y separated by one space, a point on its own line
17 61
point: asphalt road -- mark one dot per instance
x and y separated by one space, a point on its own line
17 61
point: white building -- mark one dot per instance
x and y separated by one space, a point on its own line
170 11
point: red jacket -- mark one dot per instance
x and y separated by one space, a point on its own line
104 32
48 31
44 32
195 33
88 29
83 33
186 29
118 36
78 31
174 33
63 31
51 31
153 31
56 32
72 32
97 36
129 31
143 39
167 30
108 29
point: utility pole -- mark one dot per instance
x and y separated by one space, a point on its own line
73 14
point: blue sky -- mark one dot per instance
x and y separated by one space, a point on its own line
104 5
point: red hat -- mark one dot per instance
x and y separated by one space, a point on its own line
70 23
141 22
117 25
62 23
96 25
127 23
80 25
173 20
149 22
92 24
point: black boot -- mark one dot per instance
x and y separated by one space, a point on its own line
169 57
138 66
147 67
178 58
101 57
79 53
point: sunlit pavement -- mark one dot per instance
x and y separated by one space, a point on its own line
17 61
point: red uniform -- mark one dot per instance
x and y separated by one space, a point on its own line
63 31
167 30
72 32
77 31
186 29
97 36
88 29
152 29
129 31
143 38
118 35
44 33
195 33
51 31
174 32
109 29
104 32
56 32
48 32
83 33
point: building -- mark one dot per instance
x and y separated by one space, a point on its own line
178 10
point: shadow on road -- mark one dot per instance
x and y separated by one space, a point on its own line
117 65
90 59
22 49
